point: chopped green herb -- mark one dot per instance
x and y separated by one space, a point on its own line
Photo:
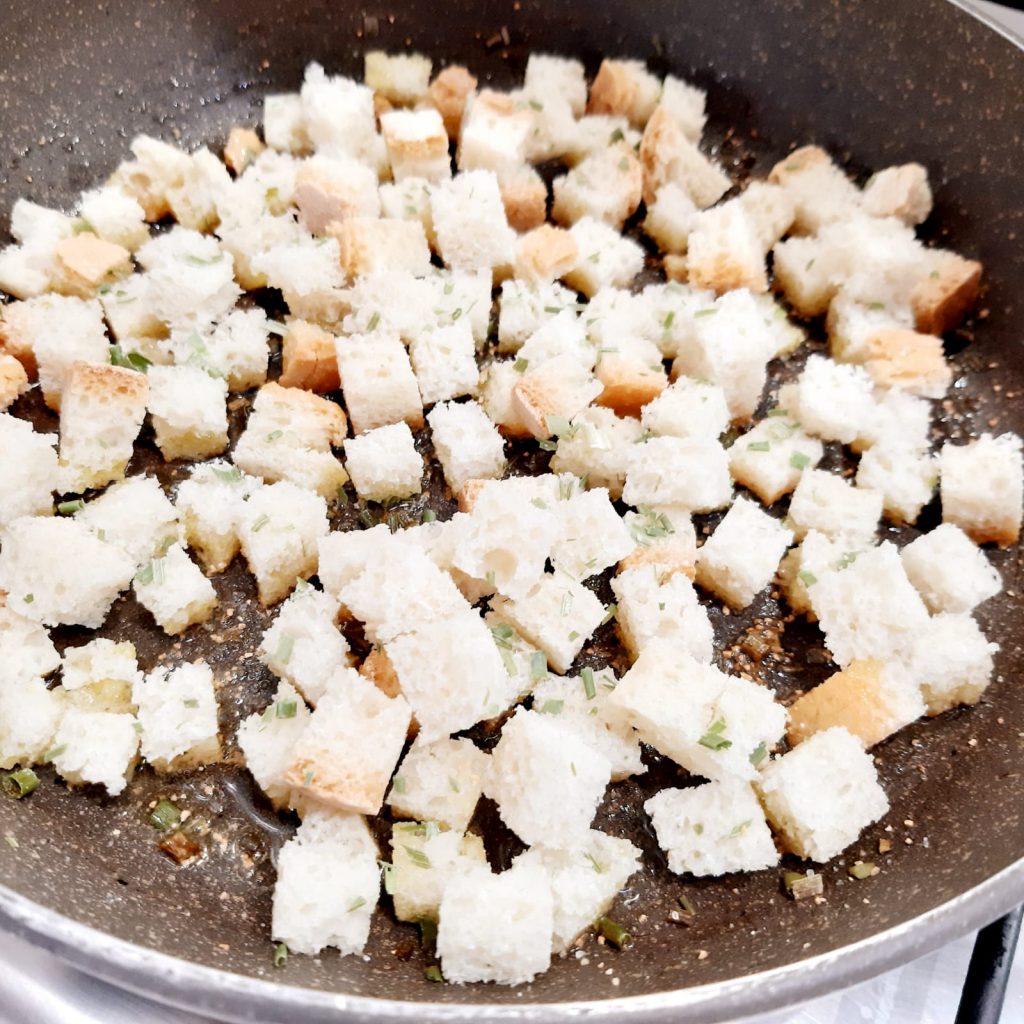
594 257
798 460
433 973
286 708
373 321
453 785
284 650
20 783
307 779
520 365
739 829
200 261
165 816
67 508
810 263
624 164
228 476
507 660
807 578
280 954
614 933
566 605
489 578
758 754
876 305
417 856
610 612
129 360
551 707
428 516
356 904
502 633
616 136
275 435
538 503
589 686
536 105
558 425
698 828
598 867
190 702
758 446
547 445
713 738
778 411
388 873
153 573
398 784
574 635
538 665
705 312
260 522
81 225
688 908
848 559
862 870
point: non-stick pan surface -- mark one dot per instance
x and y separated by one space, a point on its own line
877 82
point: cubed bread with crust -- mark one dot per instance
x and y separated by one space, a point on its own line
650 607
449 91
557 389
945 292
817 555
417 144
597 447
564 334
13 380
284 125
551 74
524 195
209 504
896 358
496 927
466 443
982 488
593 535
543 255
378 382
687 408
871 699
606 186
367 245
624 87
101 675
900 420
724 251
279 529
667 155
770 459
28 467
178 716
157 168
174 590
26 649
383 463
267 739
29 716
904 476
439 781
101 414
949 571
631 372
899 191
687 472
704 720
712 829
129 313
85 261
188 409
827 503
671 215
605 259
345 554
524 306
402 78
334 188
235 348
243 145
444 361
685 102
851 324
114 216
95 747
308 358
665 538
833 401
770 209
821 192
58 572
469 219
494 132
408 199
339 114
822 795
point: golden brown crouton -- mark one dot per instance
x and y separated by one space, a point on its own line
242 147
13 380
322 198
908 360
87 261
16 336
626 88
629 384
943 298
668 156
525 197
367 244
669 554
319 422
545 254
308 358
378 669
448 92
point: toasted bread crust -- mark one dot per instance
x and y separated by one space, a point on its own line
309 360
448 92
942 299
242 147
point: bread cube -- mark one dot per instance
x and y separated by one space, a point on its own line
497 383
905 359
278 530
235 348
869 609
822 795
328 884
242 147
178 716
691 473
952 660
454 294
770 209
378 382
384 463
114 216
707 722
725 251
466 443
596 447
100 676
670 218
308 358
194 200
175 591
631 372
284 125
309 273
525 198
624 87
584 881
210 504
189 412
56 571
494 132
369 244
469 219
156 169
562 335
335 188
982 488
13 380
558 388
267 739
818 555
95 747
543 254
338 113
444 360
833 400
901 191
129 312
687 408
900 421
448 92
904 477
439 781
26 650
950 573
606 186
770 459
28 467
345 554
537 754
712 829
496 927
417 144
408 199
852 324
606 258
946 291
820 190
665 538
829 504
84 262
650 608
554 75
668 156
29 716
525 305
399 77
593 535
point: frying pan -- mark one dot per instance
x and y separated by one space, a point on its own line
877 82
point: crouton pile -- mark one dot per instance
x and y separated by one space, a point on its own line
441 298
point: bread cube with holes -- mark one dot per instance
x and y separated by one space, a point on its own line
606 259
470 223
869 698
209 504
115 216
851 324
28 466
156 169
189 412
670 218
631 372
690 473
668 156
345 554
829 504
25 647
173 589
383 463
593 535
945 292
905 478
451 673
550 74
29 716
665 538
84 262
401 78
58 572
439 781
740 558
303 644
822 795
308 358
687 408
194 200
496 927
378 382
328 884
444 361
177 710
494 132
278 530
563 335
770 210
900 191
367 245
448 92
624 87
557 614
597 448
350 746
329 189
821 192
497 383
100 675
900 420
409 199
910 361
710 723
267 739
284 126
525 198
713 829
870 608
816 556
535 754
557 389
417 144
95 747
424 859
949 571
833 400
338 113
725 251
524 306
605 186
651 608
686 104
466 443
584 881
129 313
982 488
951 659
770 458
543 255
134 515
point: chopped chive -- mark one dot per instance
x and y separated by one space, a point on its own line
589 686
758 446
284 649
739 829
428 516
373 321
566 605
418 857
199 261
862 870
616 136
356 904
433 973
388 873
808 579
29 598
574 635
280 954
688 908
67 508
713 738
453 785
705 312
307 779
538 665
276 327
398 784
551 707
129 360
610 611
799 461
779 411
164 816
503 631
758 754
191 702
520 365
848 559
286 708
538 503
698 828
508 661
228 476
20 783
260 522
55 752
558 425
614 933
275 435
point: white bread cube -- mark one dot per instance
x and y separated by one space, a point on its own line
367 245
417 144
378 382
309 273
454 294
606 186
670 218
833 400
563 334
496 927
350 746
384 463
13 380
669 156
558 388
115 216
409 199
624 87
546 781
900 420
157 168
129 313
687 408
686 104
101 674
724 251
822 795
740 558
597 447
28 467
555 75
466 443
284 125
449 92
345 554
584 881
439 781
951 660
497 381
451 673
95 747
770 209
606 258
904 477
557 614
821 192
691 473
829 504
593 535
444 360
949 571
851 324
983 488
712 829
237 349
175 591
29 716
650 608
209 504
869 609
524 306
279 530
704 720
338 114
401 78
26 649
665 538
494 132
470 223
193 201
817 555
328 884
580 703
134 515
331 189
871 699
770 459
178 716
267 739
901 191
899 358
101 414
56 571
189 412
